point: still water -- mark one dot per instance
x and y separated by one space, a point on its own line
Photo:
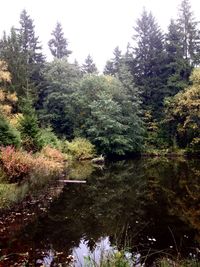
151 207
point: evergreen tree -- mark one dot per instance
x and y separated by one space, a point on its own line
113 65
58 45
28 126
31 50
177 67
10 51
108 69
8 134
149 62
29 42
22 51
89 66
189 34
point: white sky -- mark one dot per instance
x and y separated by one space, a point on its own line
91 26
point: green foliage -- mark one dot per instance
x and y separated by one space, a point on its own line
62 80
48 137
113 65
108 114
8 134
58 44
189 33
182 114
117 259
89 66
149 62
22 51
80 149
178 68
28 127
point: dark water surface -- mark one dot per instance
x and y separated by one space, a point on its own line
149 206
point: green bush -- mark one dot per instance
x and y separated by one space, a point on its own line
29 128
47 137
79 149
8 134
29 134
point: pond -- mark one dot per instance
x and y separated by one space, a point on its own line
150 207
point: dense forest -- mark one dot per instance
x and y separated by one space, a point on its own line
147 98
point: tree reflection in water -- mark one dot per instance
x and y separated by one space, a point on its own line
151 206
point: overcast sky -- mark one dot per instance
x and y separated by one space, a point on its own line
91 26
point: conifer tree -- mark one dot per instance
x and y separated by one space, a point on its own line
149 61
58 45
113 65
177 67
22 51
89 66
29 42
189 34
10 51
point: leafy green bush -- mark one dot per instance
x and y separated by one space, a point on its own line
47 137
28 127
8 134
80 149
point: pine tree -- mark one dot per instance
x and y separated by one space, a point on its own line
32 52
29 42
22 51
177 67
149 61
10 51
89 66
58 45
189 34
113 65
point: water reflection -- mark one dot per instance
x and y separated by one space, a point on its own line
150 206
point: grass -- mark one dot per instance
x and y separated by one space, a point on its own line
125 259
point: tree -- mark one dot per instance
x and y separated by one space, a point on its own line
8 134
10 51
178 68
189 34
182 119
108 115
58 45
61 80
29 42
149 62
113 65
31 50
89 66
29 126
22 52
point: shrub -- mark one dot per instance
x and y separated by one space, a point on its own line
80 149
19 165
28 127
16 164
47 137
52 154
43 167
8 134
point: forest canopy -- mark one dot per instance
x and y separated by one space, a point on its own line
147 98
